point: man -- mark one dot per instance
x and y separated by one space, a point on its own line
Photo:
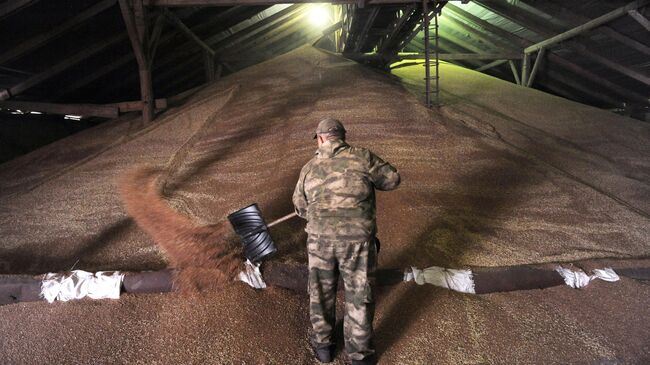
335 193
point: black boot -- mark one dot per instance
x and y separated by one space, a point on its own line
324 354
368 360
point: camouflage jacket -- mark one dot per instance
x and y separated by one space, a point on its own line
336 191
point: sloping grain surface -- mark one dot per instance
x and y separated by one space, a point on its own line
468 197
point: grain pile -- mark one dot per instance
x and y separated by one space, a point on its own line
472 194
204 257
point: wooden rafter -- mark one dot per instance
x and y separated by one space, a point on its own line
490 65
33 43
454 22
185 30
629 94
640 19
244 39
134 19
573 19
363 35
61 66
115 64
573 32
11 6
186 54
389 42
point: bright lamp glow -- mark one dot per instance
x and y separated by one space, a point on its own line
319 16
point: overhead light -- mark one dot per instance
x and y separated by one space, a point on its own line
320 15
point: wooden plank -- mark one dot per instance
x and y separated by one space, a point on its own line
490 65
361 38
176 22
11 6
462 41
332 28
182 55
640 19
515 73
154 41
573 19
208 66
533 72
104 70
452 21
284 30
281 17
61 66
587 26
135 106
39 40
388 43
488 27
569 65
84 110
517 15
525 69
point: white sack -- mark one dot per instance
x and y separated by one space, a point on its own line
578 279
79 284
252 276
457 280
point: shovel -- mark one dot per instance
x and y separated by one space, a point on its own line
254 232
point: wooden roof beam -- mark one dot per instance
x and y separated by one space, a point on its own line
244 38
361 38
388 42
453 21
492 64
176 22
577 69
61 66
640 19
115 64
178 59
574 19
11 6
31 44
608 17
134 19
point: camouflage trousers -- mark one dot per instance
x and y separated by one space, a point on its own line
355 262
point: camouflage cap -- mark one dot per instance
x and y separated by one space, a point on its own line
329 126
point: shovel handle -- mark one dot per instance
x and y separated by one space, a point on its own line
280 220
